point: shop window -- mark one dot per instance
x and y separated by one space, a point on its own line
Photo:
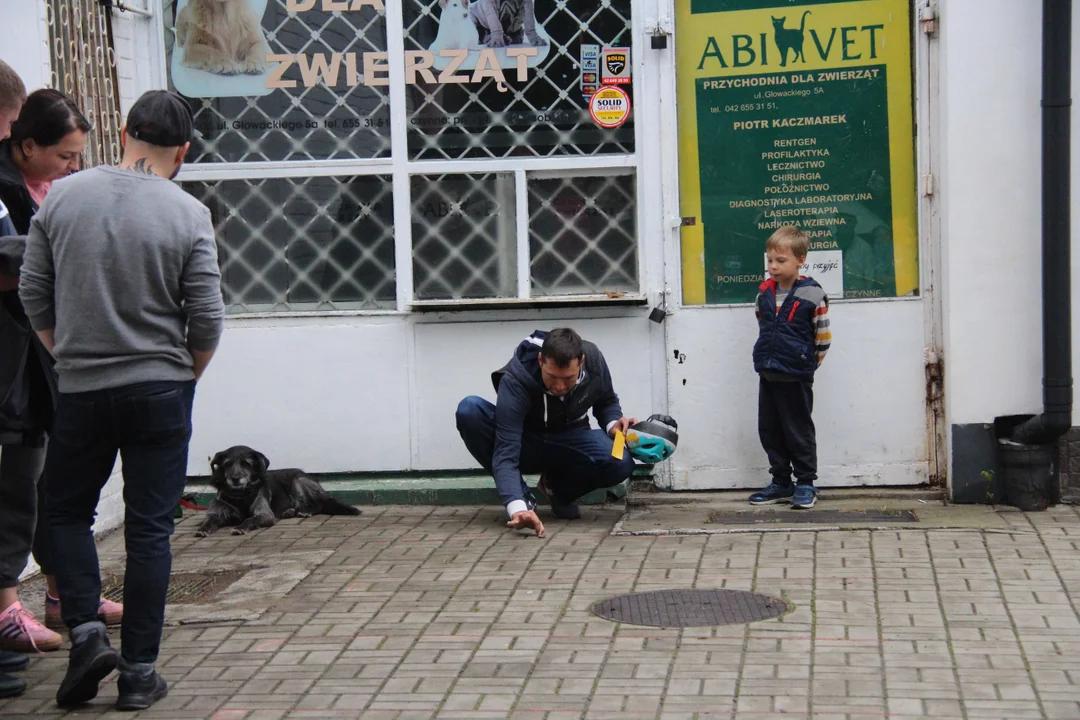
579 237
544 114
320 243
304 103
464 230
295 159
583 235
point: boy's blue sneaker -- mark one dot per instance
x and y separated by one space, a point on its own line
774 493
805 497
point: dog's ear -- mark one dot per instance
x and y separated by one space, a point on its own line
215 462
262 459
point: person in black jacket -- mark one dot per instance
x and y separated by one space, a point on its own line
12 97
46 144
540 424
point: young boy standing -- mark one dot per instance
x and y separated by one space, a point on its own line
793 337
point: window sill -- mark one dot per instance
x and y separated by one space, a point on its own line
563 301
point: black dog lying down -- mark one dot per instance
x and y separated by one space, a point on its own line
250 497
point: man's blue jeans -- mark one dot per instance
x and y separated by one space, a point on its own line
575 462
149 424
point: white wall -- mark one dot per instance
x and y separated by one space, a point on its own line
26 41
379 393
991 207
869 407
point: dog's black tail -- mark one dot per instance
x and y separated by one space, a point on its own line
332 506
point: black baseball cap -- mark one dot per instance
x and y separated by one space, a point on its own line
162 118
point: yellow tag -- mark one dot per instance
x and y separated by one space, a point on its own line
620 443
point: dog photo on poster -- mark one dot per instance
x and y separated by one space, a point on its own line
220 49
499 25
541 111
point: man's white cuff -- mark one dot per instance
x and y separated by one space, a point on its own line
611 425
516 506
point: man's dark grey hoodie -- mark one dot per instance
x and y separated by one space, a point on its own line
524 405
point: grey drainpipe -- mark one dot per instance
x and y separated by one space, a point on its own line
1056 418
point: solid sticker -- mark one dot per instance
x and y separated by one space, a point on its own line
609 107
615 66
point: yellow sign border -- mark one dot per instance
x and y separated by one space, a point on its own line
692 32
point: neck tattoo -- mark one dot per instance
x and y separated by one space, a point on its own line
143 166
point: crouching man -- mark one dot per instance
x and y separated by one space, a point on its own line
539 424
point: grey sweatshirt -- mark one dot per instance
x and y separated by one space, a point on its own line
123 267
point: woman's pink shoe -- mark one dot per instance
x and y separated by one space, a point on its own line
21 632
109 612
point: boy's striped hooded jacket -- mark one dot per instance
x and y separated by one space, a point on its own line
792 339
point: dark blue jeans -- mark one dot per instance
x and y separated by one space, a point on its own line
149 424
786 429
575 462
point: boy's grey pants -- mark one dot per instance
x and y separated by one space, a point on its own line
22 493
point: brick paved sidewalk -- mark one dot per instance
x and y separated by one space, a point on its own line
441 612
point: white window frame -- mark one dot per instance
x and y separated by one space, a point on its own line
401 169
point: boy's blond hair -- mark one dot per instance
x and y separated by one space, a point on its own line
789 237
12 90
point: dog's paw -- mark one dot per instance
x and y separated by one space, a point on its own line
303 514
537 41
201 533
497 41
288 514
239 531
252 66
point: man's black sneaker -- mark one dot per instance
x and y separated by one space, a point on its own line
805 497
11 686
138 693
88 663
565 511
13 661
773 493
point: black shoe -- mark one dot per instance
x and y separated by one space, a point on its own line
88 664
11 686
565 511
140 693
13 661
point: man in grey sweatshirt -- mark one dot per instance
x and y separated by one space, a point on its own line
120 281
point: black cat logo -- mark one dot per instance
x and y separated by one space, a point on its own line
789 39
616 63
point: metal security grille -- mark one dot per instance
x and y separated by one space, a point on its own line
583 235
349 121
318 243
545 115
84 68
184 588
464 236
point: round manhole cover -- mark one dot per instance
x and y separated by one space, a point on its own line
690 608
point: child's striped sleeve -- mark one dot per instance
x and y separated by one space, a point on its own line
822 330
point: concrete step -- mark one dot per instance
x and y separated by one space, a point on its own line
364 489
643 496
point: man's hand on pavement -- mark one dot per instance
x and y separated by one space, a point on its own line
622 425
527 519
